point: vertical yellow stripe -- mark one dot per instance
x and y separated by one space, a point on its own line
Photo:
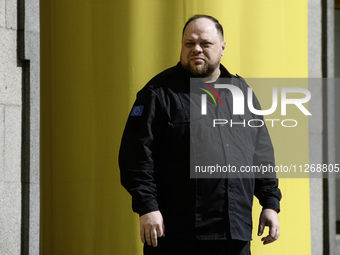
95 56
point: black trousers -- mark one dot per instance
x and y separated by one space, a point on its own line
176 246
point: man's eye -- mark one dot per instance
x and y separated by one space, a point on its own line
189 44
206 44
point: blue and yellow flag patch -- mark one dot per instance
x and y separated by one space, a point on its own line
137 110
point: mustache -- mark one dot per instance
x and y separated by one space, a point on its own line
197 55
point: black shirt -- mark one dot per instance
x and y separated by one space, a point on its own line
159 139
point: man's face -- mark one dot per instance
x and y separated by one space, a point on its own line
202 48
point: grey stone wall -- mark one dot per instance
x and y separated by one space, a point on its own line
19 127
315 128
10 198
322 135
10 131
32 80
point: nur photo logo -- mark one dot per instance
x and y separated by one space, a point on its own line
240 101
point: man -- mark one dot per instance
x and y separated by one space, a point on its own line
179 214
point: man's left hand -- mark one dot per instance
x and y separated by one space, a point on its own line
269 218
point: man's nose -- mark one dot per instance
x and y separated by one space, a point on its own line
197 48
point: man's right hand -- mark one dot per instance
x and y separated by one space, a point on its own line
151 227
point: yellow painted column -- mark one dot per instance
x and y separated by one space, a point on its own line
96 55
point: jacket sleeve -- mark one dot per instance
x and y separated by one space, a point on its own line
266 185
136 152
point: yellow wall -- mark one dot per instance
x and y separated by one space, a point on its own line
95 56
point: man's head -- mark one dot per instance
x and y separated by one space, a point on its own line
202 46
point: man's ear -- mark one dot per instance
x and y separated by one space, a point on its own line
223 47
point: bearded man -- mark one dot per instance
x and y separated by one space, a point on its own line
180 214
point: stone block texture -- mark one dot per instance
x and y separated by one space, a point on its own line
10 73
12 172
10 131
10 212
2 13
10 180
2 143
11 14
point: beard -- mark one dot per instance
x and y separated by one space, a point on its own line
199 71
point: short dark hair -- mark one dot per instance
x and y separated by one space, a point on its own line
199 16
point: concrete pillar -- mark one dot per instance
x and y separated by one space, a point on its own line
10 123
322 133
31 157
315 127
19 127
